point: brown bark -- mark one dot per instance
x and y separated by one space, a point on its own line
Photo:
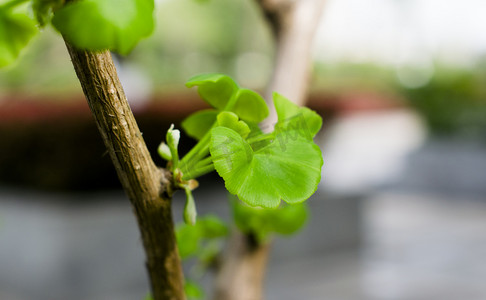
148 187
243 272
294 23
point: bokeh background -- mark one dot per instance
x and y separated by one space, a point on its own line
401 209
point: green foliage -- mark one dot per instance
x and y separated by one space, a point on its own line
190 212
261 169
193 290
197 240
286 220
452 103
222 93
199 123
230 120
105 24
215 89
287 166
201 242
16 30
44 9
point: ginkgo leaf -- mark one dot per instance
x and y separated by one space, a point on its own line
249 106
293 117
197 124
16 30
43 10
285 220
230 120
105 24
215 89
191 237
221 92
288 168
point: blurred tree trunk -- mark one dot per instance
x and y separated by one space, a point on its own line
293 23
148 187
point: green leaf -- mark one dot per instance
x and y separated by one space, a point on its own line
289 219
221 92
230 120
105 24
164 151
212 227
215 89
172 138
199 123
288 168
43 10
16 30
190 208
294 117
193 290
250 106
285 220
190 238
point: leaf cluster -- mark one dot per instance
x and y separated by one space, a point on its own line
261 169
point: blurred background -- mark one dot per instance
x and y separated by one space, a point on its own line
401 209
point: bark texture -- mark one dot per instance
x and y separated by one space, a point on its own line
294 23
148 187
243 274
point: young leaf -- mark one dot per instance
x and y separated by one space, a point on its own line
190 238
172 138
164 151
16 30
285 220
193 290
221 92
105 24
288 168
190 208
292 116
43 10
212 227
197 124
250 106
230 120
215 89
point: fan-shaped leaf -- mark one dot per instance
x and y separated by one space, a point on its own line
105 24
215 89
230 120
294 117
250 106
288 168
197 124
16 30
284 220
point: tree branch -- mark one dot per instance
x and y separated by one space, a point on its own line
294 23
243 269
147 186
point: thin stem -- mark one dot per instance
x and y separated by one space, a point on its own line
207 161
199 171
260 137
193 153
